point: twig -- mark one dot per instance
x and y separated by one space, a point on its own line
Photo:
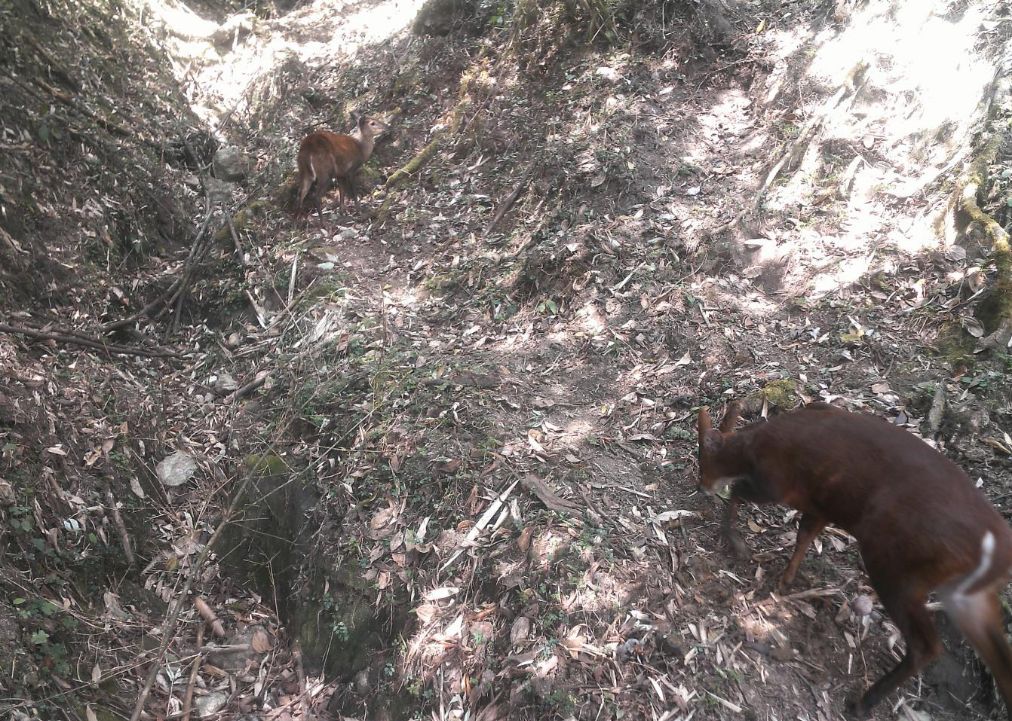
621 284
291 279
257 311
478 527
77 339
172 617
507 204
169 296
775 600
235 241
188 698
117 521
245 390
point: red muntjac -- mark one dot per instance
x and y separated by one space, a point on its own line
325 156
920 523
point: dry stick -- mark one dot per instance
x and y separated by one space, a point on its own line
172 617
507 204
242 263
117 521
197 253
76 339
188 698
147 310
245 390
300 672
235 241
184 286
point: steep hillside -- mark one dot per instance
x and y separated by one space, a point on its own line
436 458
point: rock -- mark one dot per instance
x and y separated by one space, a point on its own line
862 605
7 496
230 163
520 631
218 191
177 469
224 384
211 704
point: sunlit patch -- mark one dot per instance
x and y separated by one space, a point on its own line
913 50
222 86
899 91
758 305
403 296
590 319
840 274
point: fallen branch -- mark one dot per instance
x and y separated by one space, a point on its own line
117 520
245 390
210 617
507 204
176 607
77 339
172 293
413 165
188 698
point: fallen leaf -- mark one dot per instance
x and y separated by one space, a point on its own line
426 612
548 496
176 469
442 592
972 326
261 641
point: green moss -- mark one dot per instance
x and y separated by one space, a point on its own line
266 465
956 347
780 393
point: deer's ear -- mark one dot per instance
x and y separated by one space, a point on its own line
704 425
710 443
731 416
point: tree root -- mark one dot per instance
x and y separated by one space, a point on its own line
413 165
969 217
74 338
400 175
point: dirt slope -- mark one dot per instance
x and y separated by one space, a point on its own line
464 443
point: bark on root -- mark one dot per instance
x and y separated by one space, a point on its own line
970 217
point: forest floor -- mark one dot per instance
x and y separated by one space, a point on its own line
485 383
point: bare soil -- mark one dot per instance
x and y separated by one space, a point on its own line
483 438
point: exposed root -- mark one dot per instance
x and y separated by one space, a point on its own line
970 217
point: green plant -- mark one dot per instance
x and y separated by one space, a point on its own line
341 632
